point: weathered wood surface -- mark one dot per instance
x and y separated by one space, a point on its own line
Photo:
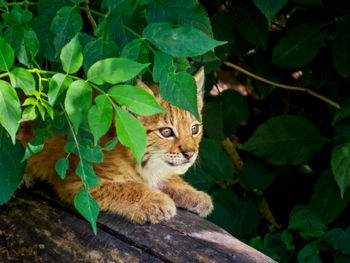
34 228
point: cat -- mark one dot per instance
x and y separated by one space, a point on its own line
148 193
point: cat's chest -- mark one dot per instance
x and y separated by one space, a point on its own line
154 175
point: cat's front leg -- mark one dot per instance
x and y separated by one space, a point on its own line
135 201
187 197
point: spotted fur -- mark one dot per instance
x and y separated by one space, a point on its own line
146 193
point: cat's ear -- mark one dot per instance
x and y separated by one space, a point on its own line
199 77
144 86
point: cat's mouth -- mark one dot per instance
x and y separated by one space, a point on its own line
177 164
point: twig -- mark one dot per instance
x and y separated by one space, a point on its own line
308 91
89 16
230 147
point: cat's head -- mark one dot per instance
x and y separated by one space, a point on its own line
172 138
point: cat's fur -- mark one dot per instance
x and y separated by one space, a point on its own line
149 193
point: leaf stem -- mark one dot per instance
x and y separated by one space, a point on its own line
25 2
72 130
4 75
283 86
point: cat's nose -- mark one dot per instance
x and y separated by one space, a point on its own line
188 153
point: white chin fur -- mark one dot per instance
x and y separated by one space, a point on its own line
158 169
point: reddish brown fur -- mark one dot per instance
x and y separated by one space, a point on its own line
149 193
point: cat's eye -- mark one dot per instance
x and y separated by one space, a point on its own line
166 132
195 129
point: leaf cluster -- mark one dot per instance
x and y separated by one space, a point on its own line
74 76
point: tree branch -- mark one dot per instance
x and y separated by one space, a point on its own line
283 86
89 16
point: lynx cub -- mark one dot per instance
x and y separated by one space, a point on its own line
146 193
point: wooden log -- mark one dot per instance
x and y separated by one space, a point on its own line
36 228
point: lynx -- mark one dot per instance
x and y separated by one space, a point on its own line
149 192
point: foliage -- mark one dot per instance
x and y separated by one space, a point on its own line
288 194
275 162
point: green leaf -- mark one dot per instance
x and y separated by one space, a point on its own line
71 56
155 13
41 25
109 146
131 133
339 240
340 164
340 51
199 179
24 43
188 13
309 254
41 110
29 114
87 174
10 109
90 152
12 170
181 64
48 107
97 50
163 67
87 207
306 222
78 101
33 147
57 85
221 216
110 29
214 161
114 70
341 114
7 57
285 139
287 239
135 99
180 90
252 24
100 117
30 101
257 243
179 41
65 25
241 218
120 8
326 201
299 45
20 78
270 7
136 50
256 175
213 120
18 15
223 30
222 114
43 133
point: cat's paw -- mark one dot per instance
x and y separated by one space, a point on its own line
156 208
195 201
201 203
